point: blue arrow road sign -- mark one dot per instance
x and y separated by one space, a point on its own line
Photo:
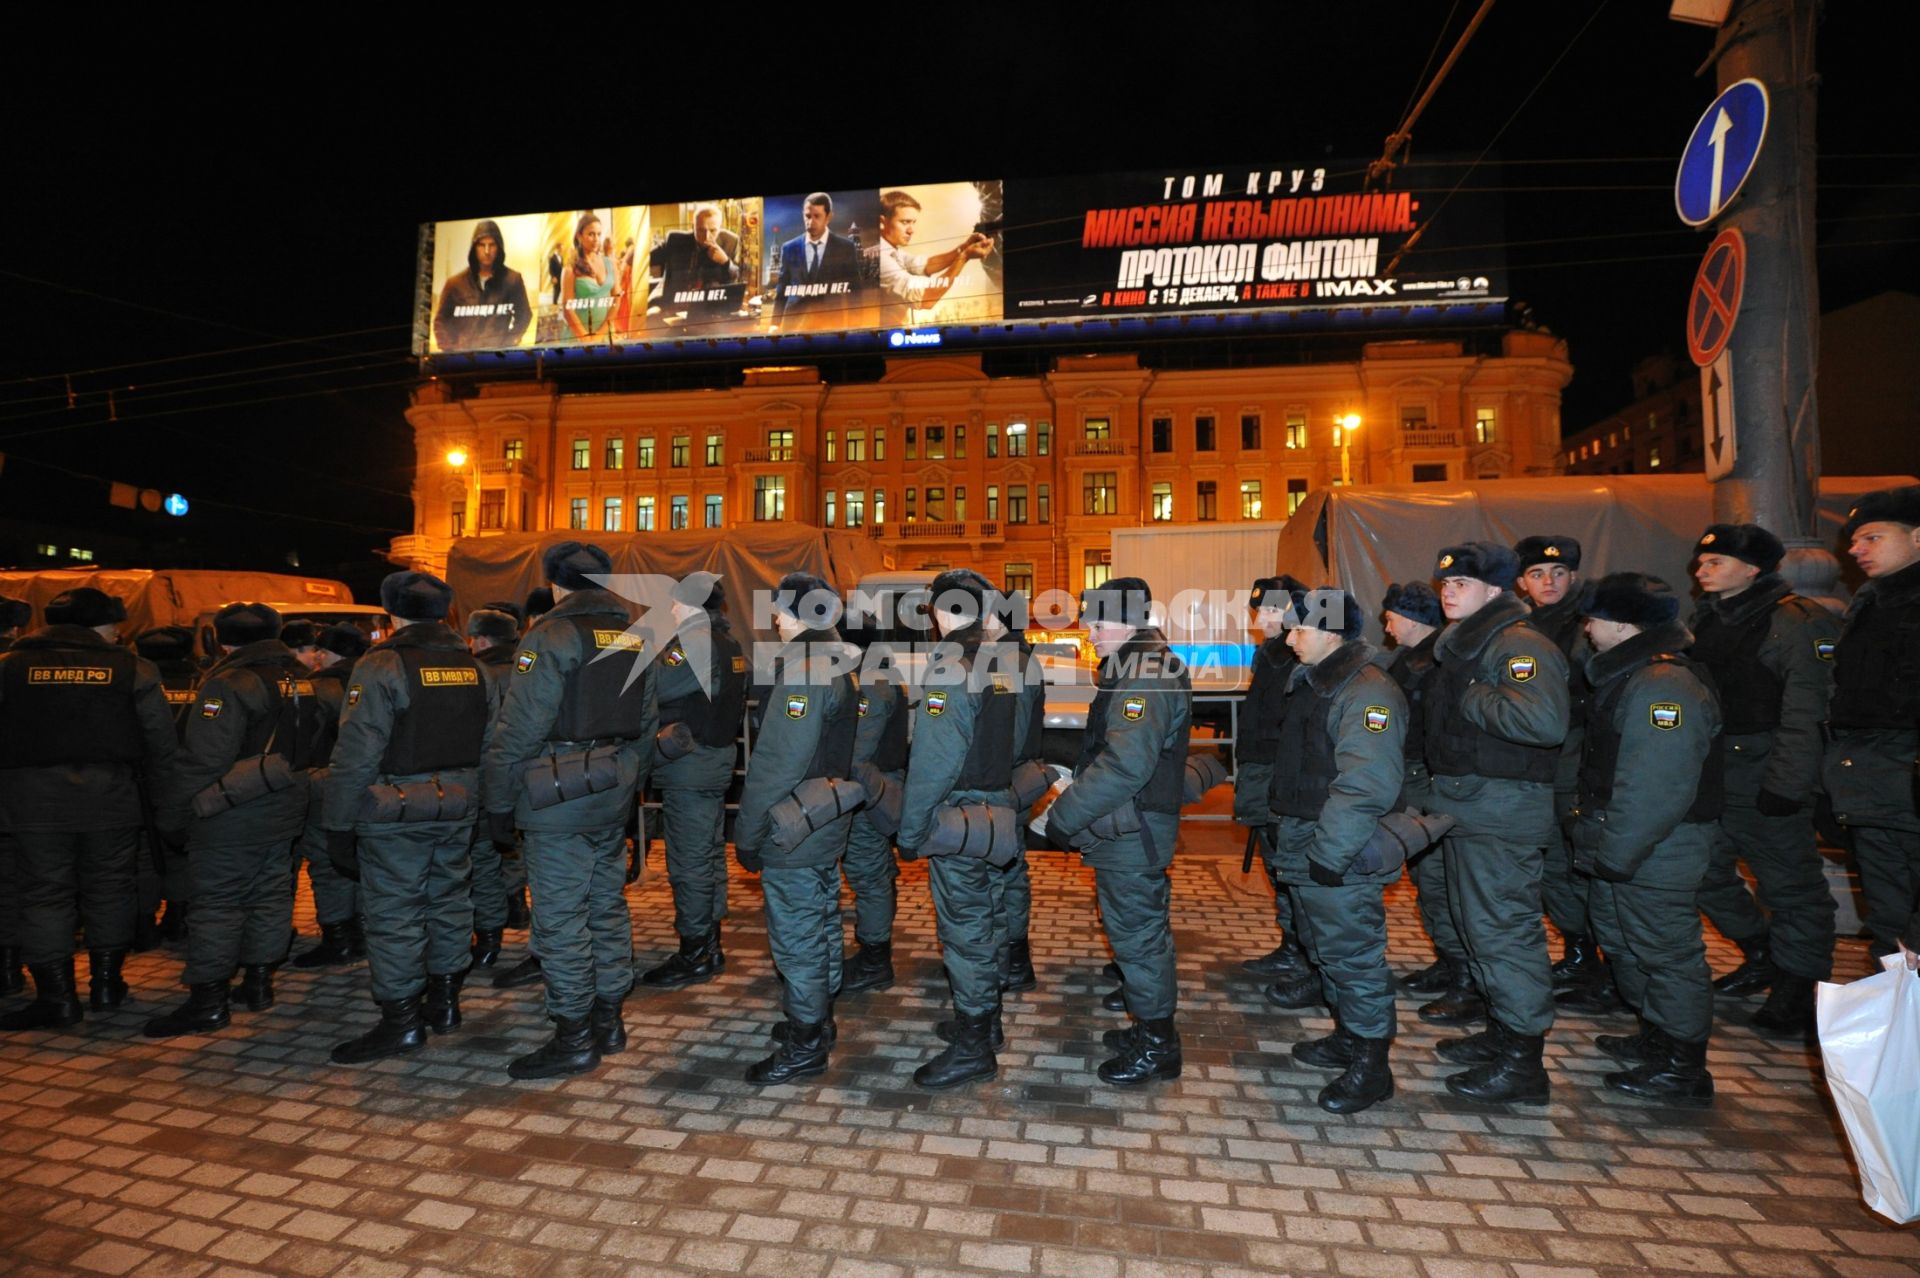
176 504
1721 153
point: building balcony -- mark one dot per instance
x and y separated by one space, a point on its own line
1430 438
502 467
1099 448
769 456
943 530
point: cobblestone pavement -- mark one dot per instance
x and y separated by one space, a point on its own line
248 1151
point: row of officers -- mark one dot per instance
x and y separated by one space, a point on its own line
1531 743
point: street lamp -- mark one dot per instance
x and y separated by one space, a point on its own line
456 457
1348 425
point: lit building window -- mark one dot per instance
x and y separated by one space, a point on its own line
1206 500
1099 428
643 452
1249 499
1653 457
582 451
1162 501
610 514
676 512
716 507
493 509
1017 504
1296 428
1043 504
577 513
1099 492
832 509
1296 493
1043 438
81 554
457 525
1483 426
716 448
616 454
682 446
1096 569
833 452
769 497
513 449
643 514
993 501
936 442
1020 578
856 445
856 508
780 445
1016 439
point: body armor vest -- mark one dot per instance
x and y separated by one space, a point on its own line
1602 749
1167 786
714 719
1876 674
1266 702
1749 692
330 684
989 761
1561 623
445 722
1413 670
597 704
890 752
1457 748
292 722
69 705
833 756
1304 764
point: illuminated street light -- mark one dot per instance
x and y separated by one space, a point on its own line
456 457
1348 425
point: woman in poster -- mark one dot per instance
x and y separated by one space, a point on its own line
587 284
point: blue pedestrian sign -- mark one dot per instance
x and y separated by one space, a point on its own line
1721 153
175 504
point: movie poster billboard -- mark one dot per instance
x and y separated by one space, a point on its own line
910 256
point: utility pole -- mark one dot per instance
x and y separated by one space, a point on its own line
1775 349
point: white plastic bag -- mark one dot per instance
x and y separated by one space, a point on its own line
1870 1043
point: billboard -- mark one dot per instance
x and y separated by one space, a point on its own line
931 255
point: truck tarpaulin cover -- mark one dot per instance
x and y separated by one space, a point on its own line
1367 538
749 559
172 597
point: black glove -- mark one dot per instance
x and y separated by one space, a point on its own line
1323 876
749 858
1776 805
343 850
500 829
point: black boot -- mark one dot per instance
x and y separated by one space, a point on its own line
1678 1078
699 960
354 932
1298 992
1335 1051
1154 1053
173 922
801 1053
1367 1081
1752 976
783 1029
104 987
949 1031
1112 971
1518 1075
256 986
56 1001
1460 1005
204 1012
1020 975
967 1058
519 917
1115 1000
1577 962
486 946
400 1031
871 968
12 979
442 1013
1595 996
1473 1049
1289 960
569 1051
1788 1011
525 972
332 950
1650 1044
1435 978
609 1029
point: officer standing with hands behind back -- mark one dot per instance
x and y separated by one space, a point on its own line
1258 732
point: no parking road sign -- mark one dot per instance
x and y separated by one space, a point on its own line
1721 153
1715 301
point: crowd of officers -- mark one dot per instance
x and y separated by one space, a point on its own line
1530 744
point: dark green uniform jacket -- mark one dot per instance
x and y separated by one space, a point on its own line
1877 666
943 739
1259 729
804 715
1349 719
105 726
1660 728
881 736
1501 692
1771 654
233 717
713 714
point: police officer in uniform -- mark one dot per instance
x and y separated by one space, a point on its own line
256 711
400 813
572 719
330 661
1258 733
1339 768
1644 830
1413 620
1770 654
15 616
809 715
170 649
880 754
492 633
702 680
1495 717
1122 812
79 718
1875 712
1014 896
963 754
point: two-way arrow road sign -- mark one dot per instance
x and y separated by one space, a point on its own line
1716 415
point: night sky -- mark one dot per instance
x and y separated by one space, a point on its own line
251 197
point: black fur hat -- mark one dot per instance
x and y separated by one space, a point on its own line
491 623
1416 602
539 604
962 592
1283 587
1122 601
572 565
300 634
343 640
1632 599
514 610
84 606
1889 505
1548 550
15 614
700 589
415 596
1328 608
1749 543
164 643
811 599
239 624
1486 561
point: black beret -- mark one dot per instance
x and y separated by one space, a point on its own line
15 613
1416 602
1122 601
1889 505
1285 586
491 623
1486 561
572 565
84 606
809 598
164 643
343 640
1632 599
1749 543
300 634
699 590
539 603
514 610
239 624
415 596
1328 608
1548 550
